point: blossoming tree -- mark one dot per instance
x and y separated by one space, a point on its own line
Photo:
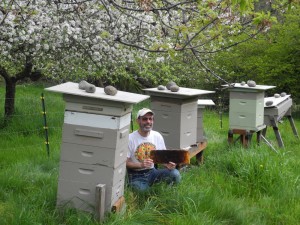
60 38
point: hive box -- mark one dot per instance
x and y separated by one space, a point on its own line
96 106
94 136
81 195
86 173
246 107
281 106
110 157
176 115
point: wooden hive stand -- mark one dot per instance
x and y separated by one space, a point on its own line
273 114
245 136
197 151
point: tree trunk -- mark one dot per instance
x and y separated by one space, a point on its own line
11 82
10 97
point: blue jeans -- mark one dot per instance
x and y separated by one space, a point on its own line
142 180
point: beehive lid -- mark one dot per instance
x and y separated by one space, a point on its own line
183 93
246 88
71 88
276 101
204 102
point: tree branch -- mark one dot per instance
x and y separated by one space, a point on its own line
206 67
5 12
4 73
26 72
152 9
118 39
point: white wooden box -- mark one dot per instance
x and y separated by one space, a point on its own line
82 195
91 173
175 121
96 106
280 107
93 155
99 121
106 138
175 139
173 105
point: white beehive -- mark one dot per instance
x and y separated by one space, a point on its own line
94 145
275 109
246 107
176 115
279 108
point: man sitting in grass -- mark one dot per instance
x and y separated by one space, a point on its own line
141 171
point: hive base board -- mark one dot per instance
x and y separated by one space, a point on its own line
119 206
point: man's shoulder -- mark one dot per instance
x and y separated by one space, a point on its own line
156 133
133 133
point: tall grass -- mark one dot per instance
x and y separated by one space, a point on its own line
234 185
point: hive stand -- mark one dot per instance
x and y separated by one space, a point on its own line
94 148
246 112
273 113
245 136
176 118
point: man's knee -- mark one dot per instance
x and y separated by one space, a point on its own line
175 174
139 186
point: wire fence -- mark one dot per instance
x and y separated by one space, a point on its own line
36 123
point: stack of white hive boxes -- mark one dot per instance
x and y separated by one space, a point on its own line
246 107
94 146
176 115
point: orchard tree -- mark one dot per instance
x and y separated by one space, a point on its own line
67 39
272 59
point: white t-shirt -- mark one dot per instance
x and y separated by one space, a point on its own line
140 147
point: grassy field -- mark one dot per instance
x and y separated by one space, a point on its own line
234 185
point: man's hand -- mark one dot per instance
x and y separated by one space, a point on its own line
147 164
170 165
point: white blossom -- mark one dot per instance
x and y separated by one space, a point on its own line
88 33
160 59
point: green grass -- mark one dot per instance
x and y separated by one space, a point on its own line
234 185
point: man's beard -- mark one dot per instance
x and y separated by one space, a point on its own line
145 127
